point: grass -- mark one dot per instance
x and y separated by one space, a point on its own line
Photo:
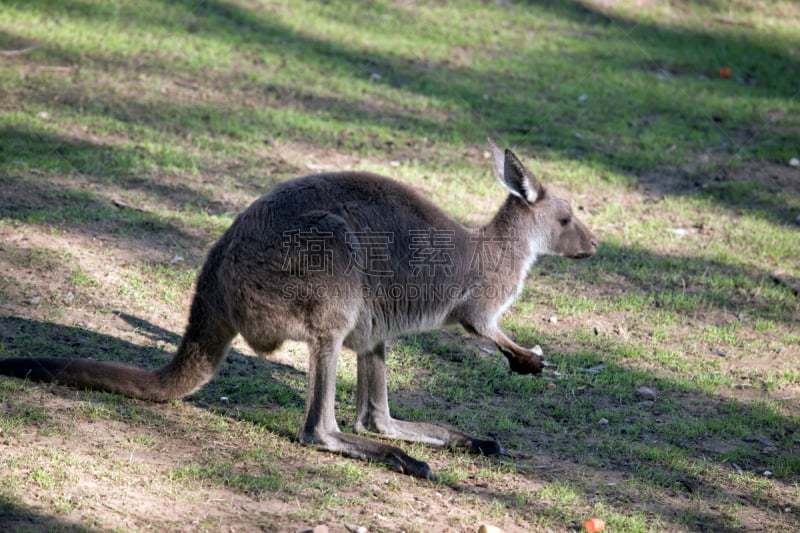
132 133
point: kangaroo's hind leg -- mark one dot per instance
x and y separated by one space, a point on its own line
372 411
320 428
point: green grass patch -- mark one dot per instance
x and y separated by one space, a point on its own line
135 132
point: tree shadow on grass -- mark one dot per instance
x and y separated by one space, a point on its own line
30 194
692 286
537 106
674 458
681 445
532 110
22 518
30 156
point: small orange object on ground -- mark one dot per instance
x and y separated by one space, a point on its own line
594 525
725 72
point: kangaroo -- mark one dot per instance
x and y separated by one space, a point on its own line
350 260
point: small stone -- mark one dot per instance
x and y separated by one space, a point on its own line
593 370
553 319
646 393
621 331
90 325
537 350
176 259
320 529
488 528
645 404
767 473
794 162
35 300
69 296
603 422
45 115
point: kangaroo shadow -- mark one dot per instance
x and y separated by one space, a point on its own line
19 517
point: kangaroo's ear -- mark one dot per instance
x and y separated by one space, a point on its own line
513 175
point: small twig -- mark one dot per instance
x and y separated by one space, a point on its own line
594 370
218 444
11 53
780 279
123 205
732 21
186 84
56 68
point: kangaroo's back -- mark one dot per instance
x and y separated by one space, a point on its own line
365 201
351 250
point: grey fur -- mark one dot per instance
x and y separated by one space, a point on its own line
351 259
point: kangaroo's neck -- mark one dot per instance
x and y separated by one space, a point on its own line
509 248
511 228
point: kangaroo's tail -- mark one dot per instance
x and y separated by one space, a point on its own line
202 350
85 373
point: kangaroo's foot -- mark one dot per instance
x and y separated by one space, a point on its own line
367 449
429 434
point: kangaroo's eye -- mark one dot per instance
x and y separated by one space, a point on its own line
565 221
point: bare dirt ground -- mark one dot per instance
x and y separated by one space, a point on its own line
117 467
135 466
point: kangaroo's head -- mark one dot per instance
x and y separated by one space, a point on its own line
552 227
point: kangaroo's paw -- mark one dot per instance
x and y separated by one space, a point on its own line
525 363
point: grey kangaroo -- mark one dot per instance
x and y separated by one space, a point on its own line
351 259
